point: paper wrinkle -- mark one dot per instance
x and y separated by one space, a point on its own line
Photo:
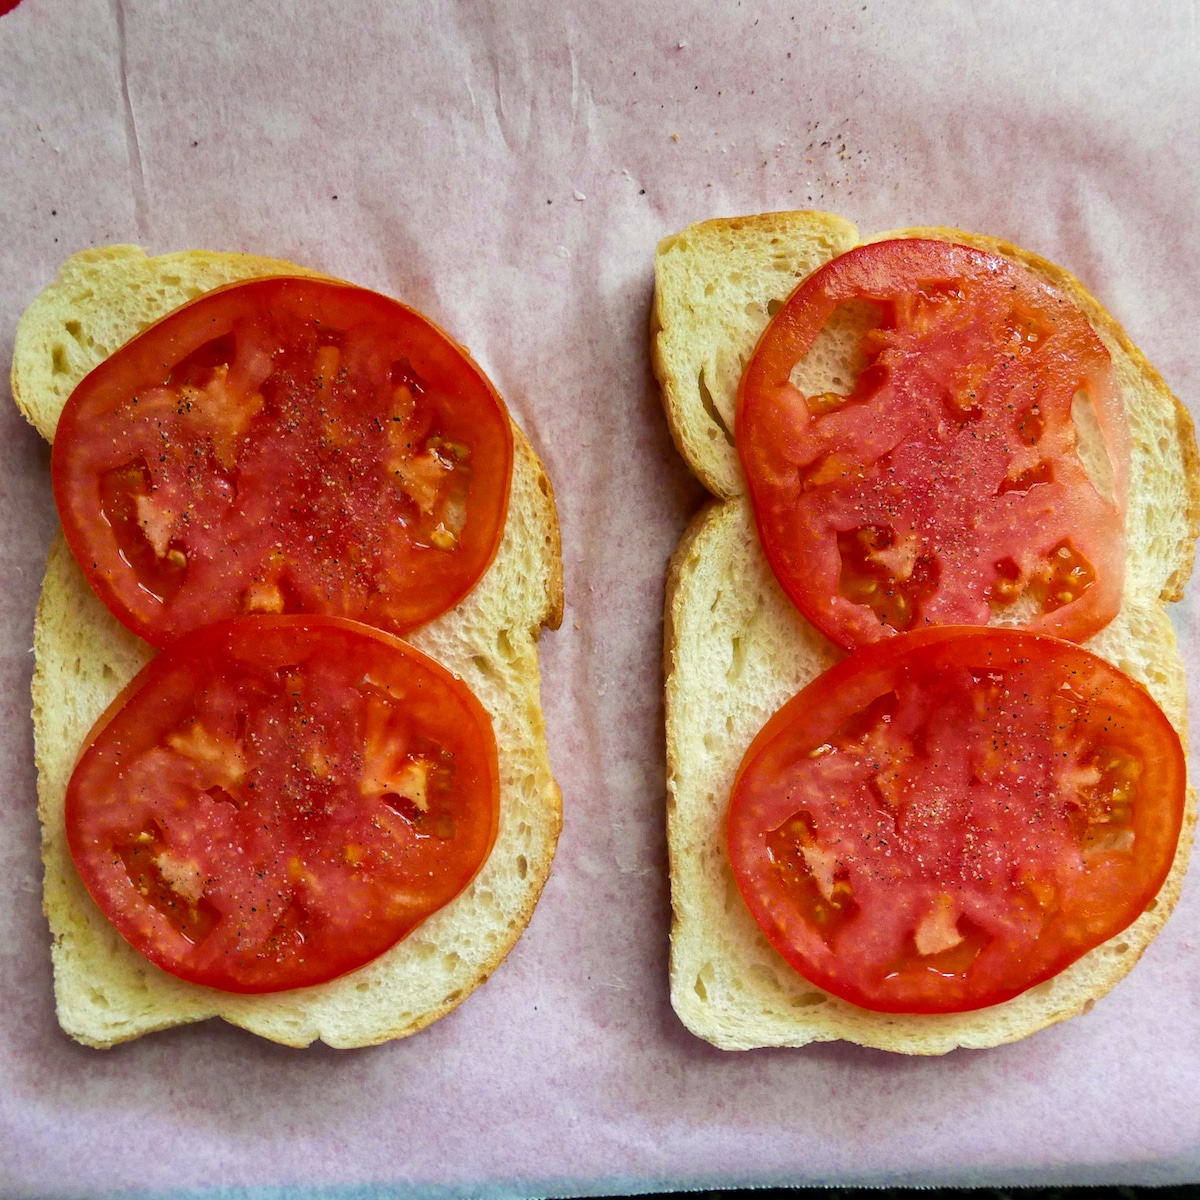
132 140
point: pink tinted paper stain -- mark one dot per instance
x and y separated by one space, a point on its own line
508 169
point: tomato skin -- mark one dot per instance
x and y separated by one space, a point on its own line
947 818
946 485
275 801
287 445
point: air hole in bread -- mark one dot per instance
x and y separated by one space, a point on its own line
765 975
703 978
484 666
453 998
1091 448
451 961
732 896
710 407
1121 948
58 360
808 999
1152 905
504 645
737 661
522 865
773 306
99 999
362 987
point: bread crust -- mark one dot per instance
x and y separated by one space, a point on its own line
106 993
700 339
735 649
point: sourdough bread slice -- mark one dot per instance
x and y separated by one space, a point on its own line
736 648
106 992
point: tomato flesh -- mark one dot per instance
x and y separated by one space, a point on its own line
283 446
949 484
275 801
947 818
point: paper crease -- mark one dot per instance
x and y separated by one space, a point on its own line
133 142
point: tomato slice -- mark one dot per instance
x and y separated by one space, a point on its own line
948 485
946 818
283 446
276 800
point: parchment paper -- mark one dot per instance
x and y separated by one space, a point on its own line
508 169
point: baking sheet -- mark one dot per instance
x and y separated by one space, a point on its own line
507 168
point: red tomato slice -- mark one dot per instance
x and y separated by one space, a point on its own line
275 801
947 486
283 445
947 818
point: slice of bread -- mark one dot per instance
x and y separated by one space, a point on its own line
106 992
736 648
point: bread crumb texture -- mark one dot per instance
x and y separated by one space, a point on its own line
736 649
106 992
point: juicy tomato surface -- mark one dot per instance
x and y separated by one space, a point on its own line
275 801
946 485
947 818
283 446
